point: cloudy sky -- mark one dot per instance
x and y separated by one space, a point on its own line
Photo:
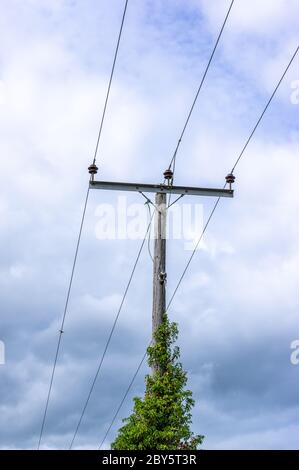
238 306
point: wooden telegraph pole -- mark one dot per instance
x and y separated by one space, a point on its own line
159 270
161 191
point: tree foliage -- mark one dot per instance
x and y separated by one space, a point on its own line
162 419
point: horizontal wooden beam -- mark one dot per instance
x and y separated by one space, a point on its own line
161 188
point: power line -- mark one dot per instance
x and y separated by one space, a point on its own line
63 319
233 168
173 160
200 238
110 82
123 399
80 235
111 333
200 85
265 109
194 251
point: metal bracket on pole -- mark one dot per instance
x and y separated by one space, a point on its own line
161 188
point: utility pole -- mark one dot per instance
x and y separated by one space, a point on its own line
159 269
161 191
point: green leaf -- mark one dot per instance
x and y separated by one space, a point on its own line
162 419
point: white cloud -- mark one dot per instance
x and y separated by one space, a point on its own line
241 289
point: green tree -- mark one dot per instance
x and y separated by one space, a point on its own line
162 419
